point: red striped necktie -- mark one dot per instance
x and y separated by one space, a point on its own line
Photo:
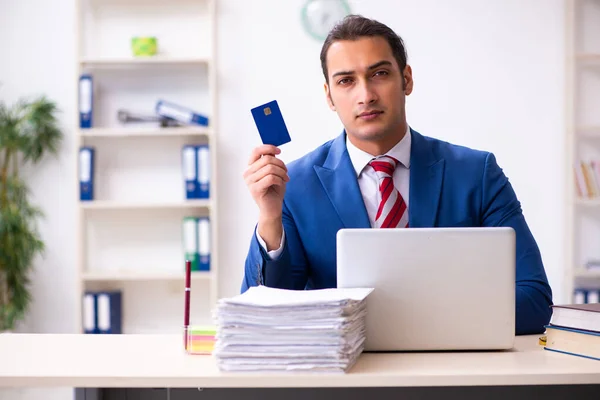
392 211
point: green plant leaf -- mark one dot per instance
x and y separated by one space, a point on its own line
10 136
28 131
39 130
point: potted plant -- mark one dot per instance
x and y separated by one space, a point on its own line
28 131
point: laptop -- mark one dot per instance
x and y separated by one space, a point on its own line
435 288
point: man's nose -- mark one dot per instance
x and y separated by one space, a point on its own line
367 94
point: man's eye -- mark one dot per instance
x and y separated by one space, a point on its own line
381 73
344 81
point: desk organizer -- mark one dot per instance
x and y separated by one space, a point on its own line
200 339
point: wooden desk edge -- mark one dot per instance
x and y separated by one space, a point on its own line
291 380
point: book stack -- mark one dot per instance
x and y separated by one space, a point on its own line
575 329
268 329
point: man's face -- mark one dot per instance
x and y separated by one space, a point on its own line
366 88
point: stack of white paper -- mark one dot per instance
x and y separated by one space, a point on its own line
267 329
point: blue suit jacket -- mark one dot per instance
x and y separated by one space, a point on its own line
450 186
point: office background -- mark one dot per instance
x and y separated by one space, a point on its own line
488 75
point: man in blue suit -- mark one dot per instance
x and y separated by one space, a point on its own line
378 173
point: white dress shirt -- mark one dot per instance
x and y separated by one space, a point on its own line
368 182
367 177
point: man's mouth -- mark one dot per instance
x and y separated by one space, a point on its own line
369 115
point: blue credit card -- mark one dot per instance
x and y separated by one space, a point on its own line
270 124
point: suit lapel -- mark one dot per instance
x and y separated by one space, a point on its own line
426 173
339 180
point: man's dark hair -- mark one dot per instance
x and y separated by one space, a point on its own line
353 27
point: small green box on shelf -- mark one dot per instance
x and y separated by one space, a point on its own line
144 46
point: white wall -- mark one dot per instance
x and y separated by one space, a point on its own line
487 74
37 57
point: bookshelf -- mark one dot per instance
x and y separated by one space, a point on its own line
130 236
130 61
583 146
129 205
146 131
137 276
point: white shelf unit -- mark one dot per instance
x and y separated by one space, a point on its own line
131 61
126 132
136 276
130 235
582 142
129 205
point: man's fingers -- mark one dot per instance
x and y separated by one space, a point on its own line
266 182
264 161
270 169
260 151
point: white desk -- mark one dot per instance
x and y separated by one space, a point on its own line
52 360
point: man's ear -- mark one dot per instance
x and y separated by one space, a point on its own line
408 80
328 96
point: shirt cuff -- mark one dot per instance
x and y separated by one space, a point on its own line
273 253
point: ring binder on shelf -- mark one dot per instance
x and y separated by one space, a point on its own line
86 173
190 171
190 241
86 101
109 312
89 313
203 171
204 244
179 113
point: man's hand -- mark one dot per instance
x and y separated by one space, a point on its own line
266 177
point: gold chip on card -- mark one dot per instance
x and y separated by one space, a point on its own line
267 110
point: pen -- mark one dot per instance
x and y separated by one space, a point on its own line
186 312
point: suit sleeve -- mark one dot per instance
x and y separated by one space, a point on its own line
273 254
288 271
500 207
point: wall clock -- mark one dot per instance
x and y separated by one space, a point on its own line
319 16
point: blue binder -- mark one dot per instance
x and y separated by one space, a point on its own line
180 113
86 173
593 296
86 101
204 243
189 166
89 317
579 296
109 306
586 296
203 174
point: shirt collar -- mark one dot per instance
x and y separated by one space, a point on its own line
401 152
